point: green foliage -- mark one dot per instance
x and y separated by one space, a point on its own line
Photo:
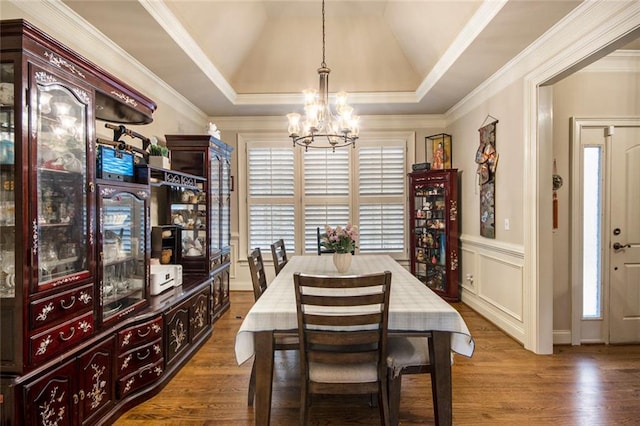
158 150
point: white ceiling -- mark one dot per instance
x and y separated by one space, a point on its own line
254 57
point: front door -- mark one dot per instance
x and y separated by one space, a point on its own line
624 235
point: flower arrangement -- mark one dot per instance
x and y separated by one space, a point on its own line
339 239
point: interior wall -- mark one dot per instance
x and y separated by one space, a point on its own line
584 94
492 269
233 127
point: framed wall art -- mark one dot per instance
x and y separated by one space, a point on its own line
441 150
487 160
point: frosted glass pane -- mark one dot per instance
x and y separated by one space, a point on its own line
592 233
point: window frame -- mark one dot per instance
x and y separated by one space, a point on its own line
246 140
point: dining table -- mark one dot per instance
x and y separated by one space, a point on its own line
414 310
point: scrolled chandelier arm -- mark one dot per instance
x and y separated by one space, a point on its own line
320 127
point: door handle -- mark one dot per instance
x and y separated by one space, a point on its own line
618 246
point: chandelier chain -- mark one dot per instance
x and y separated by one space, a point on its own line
324 65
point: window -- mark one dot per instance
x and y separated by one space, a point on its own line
592 220
271 196
381 178
291 192
327 185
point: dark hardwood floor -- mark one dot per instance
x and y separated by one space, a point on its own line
501 384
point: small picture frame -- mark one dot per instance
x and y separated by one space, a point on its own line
440 150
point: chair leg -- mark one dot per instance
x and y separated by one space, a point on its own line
384 403
252 385
394 387
304 404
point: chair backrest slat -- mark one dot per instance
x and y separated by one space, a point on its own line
258 275
279 254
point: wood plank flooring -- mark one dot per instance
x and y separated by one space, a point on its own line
502 384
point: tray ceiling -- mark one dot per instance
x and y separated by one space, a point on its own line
254 57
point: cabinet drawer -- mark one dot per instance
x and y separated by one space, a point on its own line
136 358
55 309
140 378
135 336
58 339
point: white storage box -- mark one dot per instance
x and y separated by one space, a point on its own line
164 277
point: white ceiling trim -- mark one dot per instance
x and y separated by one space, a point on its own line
298 99
167 20
483 16
55 17
619 61
368 123
570 40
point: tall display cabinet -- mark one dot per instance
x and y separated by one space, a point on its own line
207 156
81 337
433 211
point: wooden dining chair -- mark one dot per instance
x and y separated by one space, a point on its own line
279 254
282 341
342 324
405 355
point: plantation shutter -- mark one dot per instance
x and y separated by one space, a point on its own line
381 175
326 192
270 196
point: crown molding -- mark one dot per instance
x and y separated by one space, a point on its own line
483 16
622 61
578 35
368 122
61 22
174 28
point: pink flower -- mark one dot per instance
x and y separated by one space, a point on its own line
339 239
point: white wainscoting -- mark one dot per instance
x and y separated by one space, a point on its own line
493 282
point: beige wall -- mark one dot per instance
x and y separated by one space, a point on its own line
584 95
506 106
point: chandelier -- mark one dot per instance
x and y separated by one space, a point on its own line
320 127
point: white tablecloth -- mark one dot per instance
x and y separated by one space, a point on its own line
413 306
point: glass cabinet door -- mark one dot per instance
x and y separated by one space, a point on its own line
225 205
431 235
7 182
188 211
215 204
123 239
61 215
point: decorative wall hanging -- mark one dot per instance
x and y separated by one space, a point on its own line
441 149
487 159
557 184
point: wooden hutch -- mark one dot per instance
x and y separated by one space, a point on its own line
82 337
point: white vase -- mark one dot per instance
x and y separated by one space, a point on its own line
342 261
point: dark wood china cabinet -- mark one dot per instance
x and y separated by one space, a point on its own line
433 233
205 155
81 337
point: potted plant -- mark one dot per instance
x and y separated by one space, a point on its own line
158 155
343 242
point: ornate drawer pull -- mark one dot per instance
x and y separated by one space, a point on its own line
76 399
140 357
144 334
66 339
73 302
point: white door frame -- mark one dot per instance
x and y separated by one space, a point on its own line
577 124
577 46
